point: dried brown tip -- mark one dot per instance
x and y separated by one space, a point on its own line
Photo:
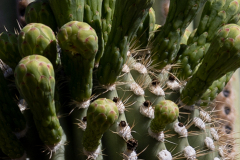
147 104
132 144
84 119
123 124
171 78
155 82
180 124
116 99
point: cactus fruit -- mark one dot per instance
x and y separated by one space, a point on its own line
128 88
37 38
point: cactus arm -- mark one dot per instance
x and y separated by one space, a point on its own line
115 54
80 47
216 87
170 34
212 67
40 12
215 15
67 11
92 16
107 17
113 141
35 81
101 115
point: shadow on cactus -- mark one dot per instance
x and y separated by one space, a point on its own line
108 83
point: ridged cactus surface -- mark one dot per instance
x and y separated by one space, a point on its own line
101 80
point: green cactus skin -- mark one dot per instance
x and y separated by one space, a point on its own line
165 112
9 49
127 18
9 143
79 44
36 83
92 16
216 87
185 36
67 10
221 58
215 14
107 17
145 31
37 38
101 114
40 12
9 109
166 43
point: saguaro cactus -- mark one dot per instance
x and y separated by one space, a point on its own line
129 88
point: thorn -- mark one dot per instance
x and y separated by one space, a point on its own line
5 28
19 25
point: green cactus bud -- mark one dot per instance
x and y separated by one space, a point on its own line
165 112
9 49
40 12
36 83
101 114
79 44
37 38
67 11
221 57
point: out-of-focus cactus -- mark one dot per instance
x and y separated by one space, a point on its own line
151 96
40 12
